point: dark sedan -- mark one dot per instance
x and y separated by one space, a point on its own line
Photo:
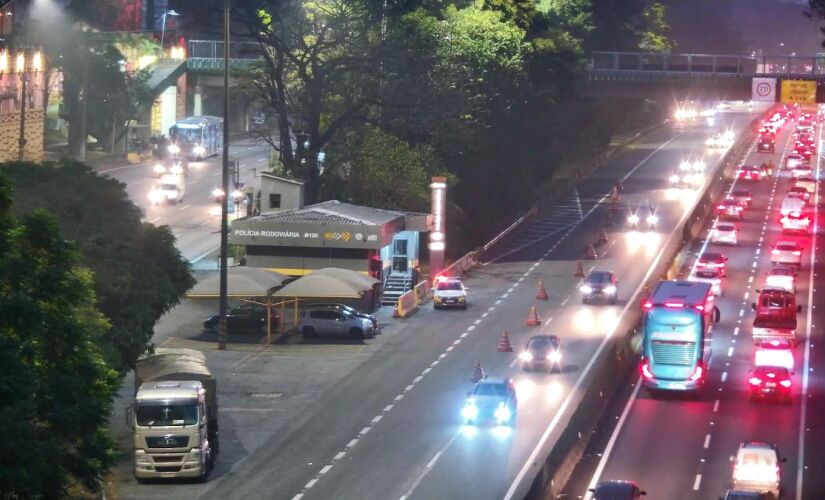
244 317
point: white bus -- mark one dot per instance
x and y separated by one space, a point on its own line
196 137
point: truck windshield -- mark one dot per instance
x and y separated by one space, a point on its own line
166 415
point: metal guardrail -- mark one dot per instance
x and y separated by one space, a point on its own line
208 64
651 64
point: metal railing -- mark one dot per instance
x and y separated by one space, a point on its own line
705 65
213 49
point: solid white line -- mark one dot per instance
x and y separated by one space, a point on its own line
697 482
514 363
202 256
800 467
707 441
435 459
325 469
613 438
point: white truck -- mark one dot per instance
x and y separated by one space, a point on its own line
174 415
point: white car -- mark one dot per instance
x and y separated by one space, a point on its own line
170 189
757 467
782 278
724 233
712 276
787 252
449 292
807 182
802 169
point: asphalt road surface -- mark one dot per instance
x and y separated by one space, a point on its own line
681 448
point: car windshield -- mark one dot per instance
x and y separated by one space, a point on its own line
497 390
449 285
599 278
542 343
166 415
786 246
725 227
781 271
711 257
707 274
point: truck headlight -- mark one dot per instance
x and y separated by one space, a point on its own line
502 413
194 456
673 178
155 196
142 458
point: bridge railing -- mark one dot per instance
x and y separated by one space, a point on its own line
207 55
710 65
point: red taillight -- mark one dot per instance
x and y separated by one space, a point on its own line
697 373
785 383
700 308
774 252
646 373
721 207
797 252
738 208
755 381
647 305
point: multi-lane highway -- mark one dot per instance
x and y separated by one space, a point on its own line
680 448
391 428
194 222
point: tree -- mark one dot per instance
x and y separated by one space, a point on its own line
55 387
138 273
317 62
382 170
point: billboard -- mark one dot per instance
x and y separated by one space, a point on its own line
798 91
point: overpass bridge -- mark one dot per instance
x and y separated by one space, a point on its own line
695 76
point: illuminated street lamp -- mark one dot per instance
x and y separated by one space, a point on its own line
163 27
437 244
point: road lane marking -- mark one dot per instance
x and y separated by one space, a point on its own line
471 328
408 388
364 430
457 341
800 467
184 207
299 496
707 441
325 469
399 397
485 315
388 408
730 351
417 379
152 221
427 370
716 406
697 482
339 455
477 321
498 302
725 374
564 302
352 443
514 362
376 419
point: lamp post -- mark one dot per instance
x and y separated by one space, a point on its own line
163 27
224 184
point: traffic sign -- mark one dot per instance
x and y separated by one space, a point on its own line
763 90
798 91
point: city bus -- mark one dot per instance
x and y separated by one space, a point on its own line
196 137
677 324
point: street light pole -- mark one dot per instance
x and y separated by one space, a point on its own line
21 141
224 183
163 27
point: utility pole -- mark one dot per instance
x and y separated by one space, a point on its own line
224 183
21 141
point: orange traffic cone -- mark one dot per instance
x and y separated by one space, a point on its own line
395 313
541 293
590 254
504 344
579 270
602 238
533 317
478 372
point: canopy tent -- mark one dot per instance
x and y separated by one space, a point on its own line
318 285
352 277
241 281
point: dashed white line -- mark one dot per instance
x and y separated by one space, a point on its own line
408 388
498 302
707 441
399 397
376 419
564 302
152 221
449 348
325 469
485 315
299 496
442 355
725 374
716 406
352 443
730 351
457 341
311 483
741 312
364 430
339 455
750 279
417 379
747 294
477 321
388 408
490 309
471 328
505 296
736 331
510 290
463 335
697 482
427 370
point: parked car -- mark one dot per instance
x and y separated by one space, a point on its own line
617 490
334 323
244 317
351 310
449 292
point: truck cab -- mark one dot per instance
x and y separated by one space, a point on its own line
776 311
174 416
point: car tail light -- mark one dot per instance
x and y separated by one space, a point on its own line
697 374
738 208
700 307
646 373
785 383
755 381
647 305
797 252
774 252
721 207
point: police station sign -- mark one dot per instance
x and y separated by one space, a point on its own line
257 232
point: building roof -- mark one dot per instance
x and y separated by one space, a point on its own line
282 179
319 285
242 281
332 212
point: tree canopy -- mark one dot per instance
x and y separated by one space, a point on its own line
55 386
138 273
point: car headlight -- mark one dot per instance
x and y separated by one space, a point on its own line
684 165
652 219
470 411
586 289
526 356
674 178
633 219
462 298
437 298
554 356
159 169
503 413
610 290
177 169
155 196
198 150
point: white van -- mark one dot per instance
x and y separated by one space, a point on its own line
169 189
